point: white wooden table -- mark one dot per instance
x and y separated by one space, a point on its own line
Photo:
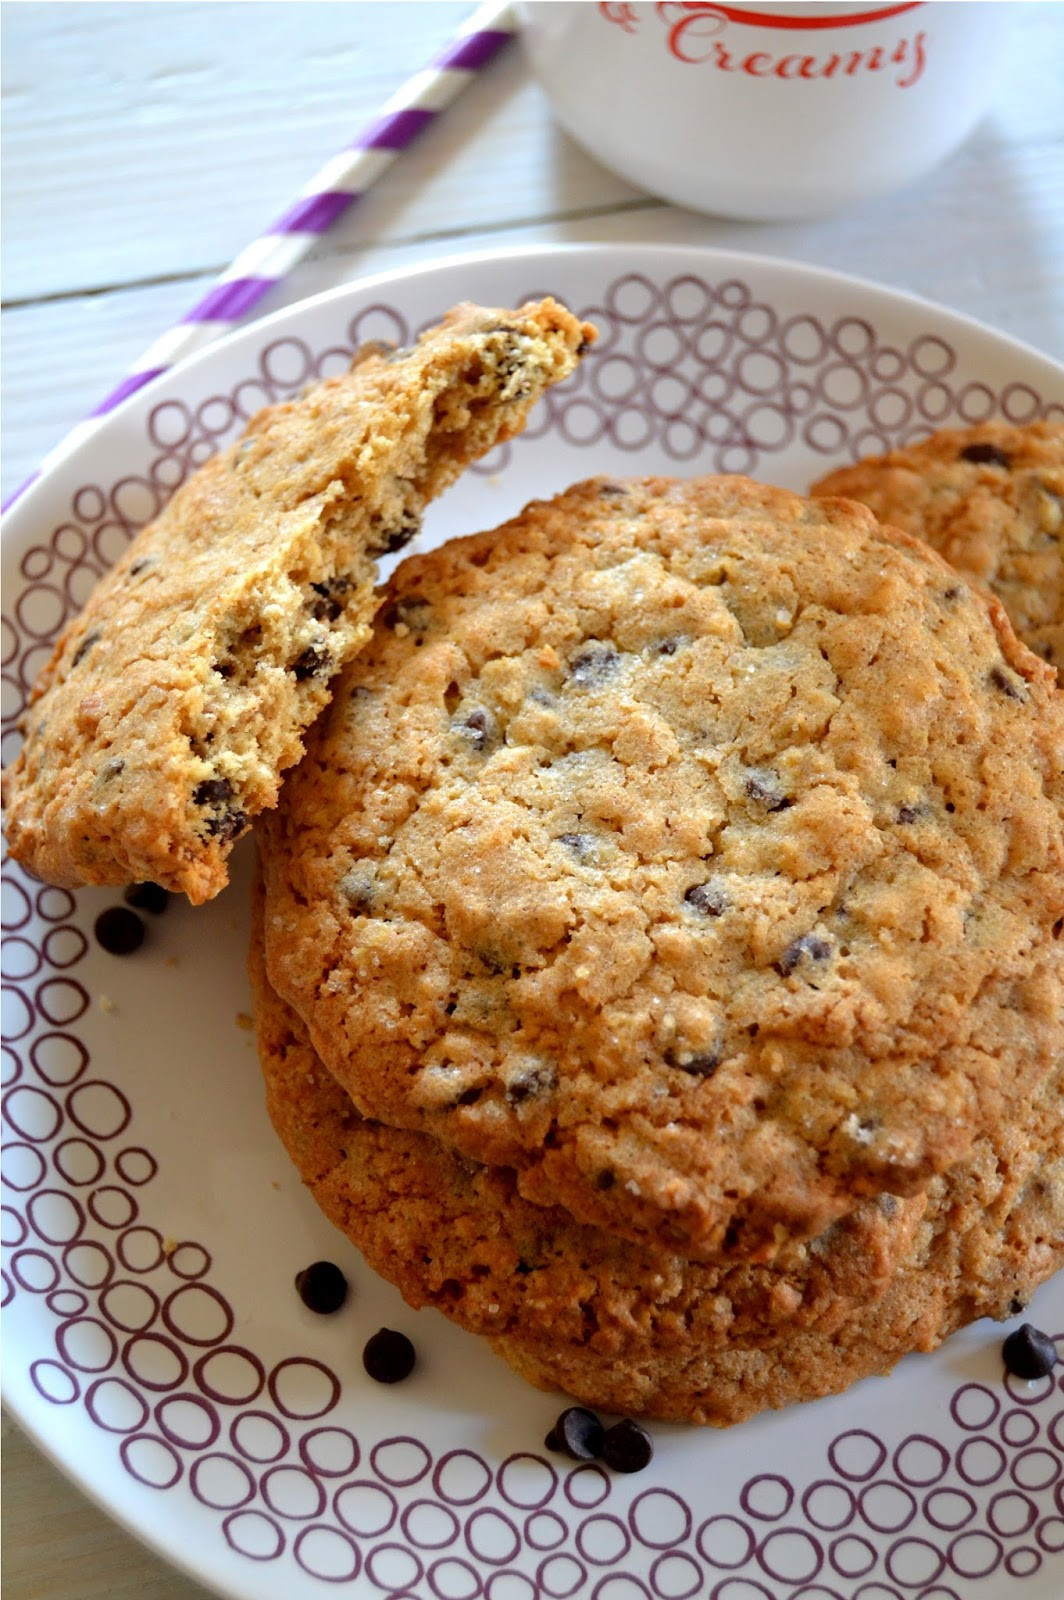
144 144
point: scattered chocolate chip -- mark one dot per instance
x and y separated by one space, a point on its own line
1029 1353
593 666
626 1447
119 931
702 1065
1016 1305
84 647
147 897
1008 686
708 898
479 730
582 845
579 1434
764 787
668 647
552 1442
389 1356
811 947
985 455
309 663
224 669
583 347
322 1287
605 1179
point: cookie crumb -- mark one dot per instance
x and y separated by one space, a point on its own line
244 1021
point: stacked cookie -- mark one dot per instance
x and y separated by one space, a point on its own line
659 963
991 500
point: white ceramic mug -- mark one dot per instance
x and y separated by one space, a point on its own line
783 110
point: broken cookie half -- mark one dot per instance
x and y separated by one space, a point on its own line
174 703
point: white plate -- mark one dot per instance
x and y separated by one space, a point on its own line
187 1390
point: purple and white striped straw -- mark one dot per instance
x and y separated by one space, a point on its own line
328 195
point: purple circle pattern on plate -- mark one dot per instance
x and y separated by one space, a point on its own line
142 1336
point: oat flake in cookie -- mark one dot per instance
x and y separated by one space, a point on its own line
692 849
175 701
991 500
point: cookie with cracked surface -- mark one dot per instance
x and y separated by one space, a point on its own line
992 1232
641 1331
693 849
455 1234
991 500
172 705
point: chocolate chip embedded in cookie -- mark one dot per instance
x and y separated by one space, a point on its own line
991 500
173 704
705 943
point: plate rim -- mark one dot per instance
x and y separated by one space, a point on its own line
748 260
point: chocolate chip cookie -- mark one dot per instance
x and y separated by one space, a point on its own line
641 1331
692 849
174 702
455 1234
993 1230
991 500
